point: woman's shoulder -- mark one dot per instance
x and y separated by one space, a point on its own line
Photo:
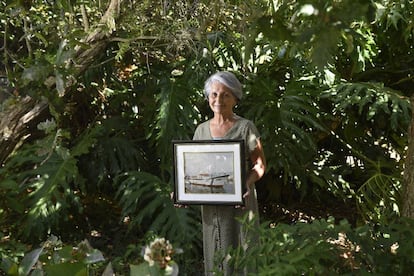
202 131
243 122
203 125
246 127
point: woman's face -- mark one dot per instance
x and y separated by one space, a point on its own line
221 99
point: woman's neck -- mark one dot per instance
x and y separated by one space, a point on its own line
220 125
221 119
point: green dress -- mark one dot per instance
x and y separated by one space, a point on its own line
221 230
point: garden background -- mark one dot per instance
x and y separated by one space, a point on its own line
93 92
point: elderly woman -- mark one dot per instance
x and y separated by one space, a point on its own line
221 229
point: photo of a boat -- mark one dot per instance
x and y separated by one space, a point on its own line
208 183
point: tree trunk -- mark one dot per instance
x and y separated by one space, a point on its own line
98 37
408 189
19 121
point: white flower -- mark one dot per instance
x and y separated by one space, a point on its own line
160 251
148 256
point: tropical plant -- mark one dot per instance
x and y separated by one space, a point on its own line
327 247
158 259
53 258
336 51
97 90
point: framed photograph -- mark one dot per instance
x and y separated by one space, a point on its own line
209 172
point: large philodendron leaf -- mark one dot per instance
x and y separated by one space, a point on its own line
29 260
175 115
380 194
52 193
289 119
147 201
371 100
48 179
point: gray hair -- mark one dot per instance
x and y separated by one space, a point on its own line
226 78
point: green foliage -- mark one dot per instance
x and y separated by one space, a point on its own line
158 256
174 102
112 153
144 197
383 112
379 197
315 29
354 115
291 144
48 181
395 38
53 258
373 102
146 269
326 82
327 247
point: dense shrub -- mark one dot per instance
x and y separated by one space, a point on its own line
324 247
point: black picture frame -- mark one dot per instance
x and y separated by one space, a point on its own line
209 172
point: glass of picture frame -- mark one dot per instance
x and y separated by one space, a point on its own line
209 172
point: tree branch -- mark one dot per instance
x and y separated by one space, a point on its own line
26 37
84 18
19 122
97 39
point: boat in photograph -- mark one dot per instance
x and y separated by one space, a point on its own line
209 180
208 183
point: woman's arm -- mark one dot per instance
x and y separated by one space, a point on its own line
258 160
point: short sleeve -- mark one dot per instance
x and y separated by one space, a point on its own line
251 136
202 131
196 133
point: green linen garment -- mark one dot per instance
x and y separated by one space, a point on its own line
221 230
